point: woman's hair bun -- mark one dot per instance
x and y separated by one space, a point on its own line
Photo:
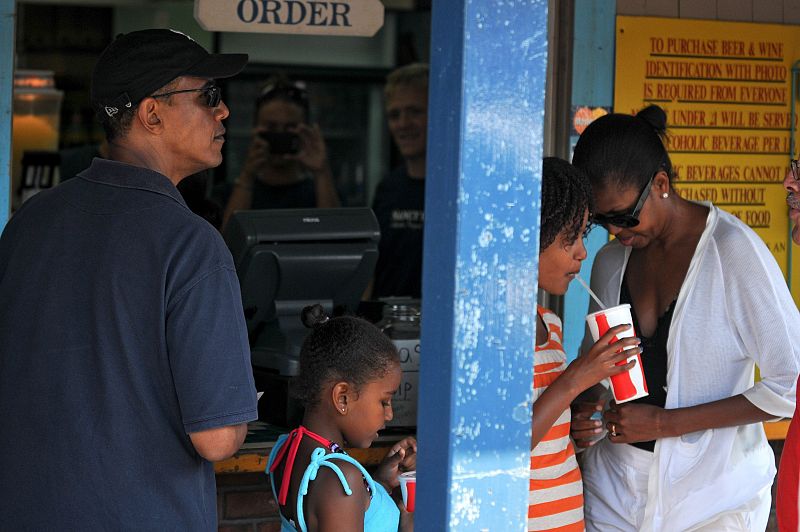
313 315
655 117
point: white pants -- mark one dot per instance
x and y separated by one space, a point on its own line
615 493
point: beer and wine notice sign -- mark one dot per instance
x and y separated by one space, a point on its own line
361 18
727 90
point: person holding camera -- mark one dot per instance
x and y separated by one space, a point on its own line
286 166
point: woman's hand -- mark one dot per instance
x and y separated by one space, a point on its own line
400 458
586 423
313 154
602 359
256 160
636 422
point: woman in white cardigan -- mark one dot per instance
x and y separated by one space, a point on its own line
709 303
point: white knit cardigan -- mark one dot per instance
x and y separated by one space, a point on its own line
733 311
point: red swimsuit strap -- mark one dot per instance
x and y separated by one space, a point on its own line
291 445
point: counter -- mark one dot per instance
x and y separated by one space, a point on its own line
244 497
252 458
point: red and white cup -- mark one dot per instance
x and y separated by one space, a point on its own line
408 487
629 385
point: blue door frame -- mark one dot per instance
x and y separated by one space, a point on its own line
483 188
592 85
7 22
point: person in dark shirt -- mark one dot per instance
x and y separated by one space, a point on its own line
125 367
287 162
399 202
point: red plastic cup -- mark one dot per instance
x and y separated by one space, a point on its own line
408 487
629 385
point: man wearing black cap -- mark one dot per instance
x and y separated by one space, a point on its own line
124 360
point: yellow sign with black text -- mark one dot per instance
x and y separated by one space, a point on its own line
726 89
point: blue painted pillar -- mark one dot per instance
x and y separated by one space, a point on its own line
488 62
7 21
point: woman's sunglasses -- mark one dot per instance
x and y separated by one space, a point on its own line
294 92
212 93
625 220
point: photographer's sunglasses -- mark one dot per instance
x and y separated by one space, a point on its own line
212 93
625 220
295 92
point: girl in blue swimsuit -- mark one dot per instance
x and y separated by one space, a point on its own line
349 371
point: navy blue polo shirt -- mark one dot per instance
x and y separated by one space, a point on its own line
121 330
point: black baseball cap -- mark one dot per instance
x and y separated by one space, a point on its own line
137 63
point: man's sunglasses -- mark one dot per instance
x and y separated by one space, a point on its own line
212 93
625 220
795 165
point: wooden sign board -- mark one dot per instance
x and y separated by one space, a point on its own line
302 17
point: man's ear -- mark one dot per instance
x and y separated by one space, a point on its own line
341 393
148 115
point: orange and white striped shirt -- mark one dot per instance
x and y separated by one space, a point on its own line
555 499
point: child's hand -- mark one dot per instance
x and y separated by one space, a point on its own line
600 362
407 449
406 519
401 457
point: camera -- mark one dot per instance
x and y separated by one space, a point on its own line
281 143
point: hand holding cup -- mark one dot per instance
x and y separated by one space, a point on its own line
625 385
606 358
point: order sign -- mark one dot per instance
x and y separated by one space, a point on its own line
344 17
726 89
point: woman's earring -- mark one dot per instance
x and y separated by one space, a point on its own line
664 195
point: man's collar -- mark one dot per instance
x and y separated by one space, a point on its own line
117 174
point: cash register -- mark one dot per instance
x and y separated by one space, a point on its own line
286 259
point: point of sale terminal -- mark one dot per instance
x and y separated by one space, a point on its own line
289 258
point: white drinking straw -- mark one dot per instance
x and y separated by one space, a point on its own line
586 286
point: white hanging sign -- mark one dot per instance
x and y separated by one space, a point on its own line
303 17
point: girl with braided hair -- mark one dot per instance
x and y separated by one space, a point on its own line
709 302
349 371
555 487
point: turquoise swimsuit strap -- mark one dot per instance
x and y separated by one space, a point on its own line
319 458
272 455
